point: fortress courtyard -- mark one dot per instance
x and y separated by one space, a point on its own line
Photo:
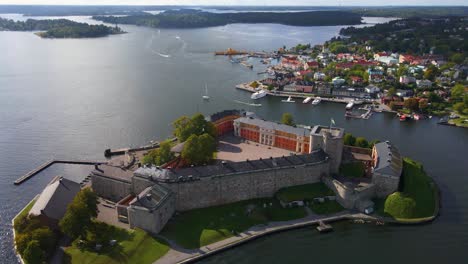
231 148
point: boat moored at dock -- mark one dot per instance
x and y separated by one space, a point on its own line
307 100
289 100
316 101
350 105
259 94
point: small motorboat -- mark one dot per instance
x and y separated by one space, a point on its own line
316 101
289 100
307 100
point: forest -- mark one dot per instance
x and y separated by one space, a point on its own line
190 18
59 28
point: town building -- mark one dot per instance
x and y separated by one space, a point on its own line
52 203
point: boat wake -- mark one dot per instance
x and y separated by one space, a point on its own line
245 103
161 54
149 47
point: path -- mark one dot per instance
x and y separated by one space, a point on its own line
178 254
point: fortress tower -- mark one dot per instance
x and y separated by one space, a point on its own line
330 139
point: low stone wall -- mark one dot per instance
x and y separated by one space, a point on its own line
109 188
349 197
218 190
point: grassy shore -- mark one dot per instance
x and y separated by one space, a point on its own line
134 246
200 227
24 213
352 170
304 192
416 185
327 207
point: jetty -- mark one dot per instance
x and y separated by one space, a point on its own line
230 52
322 227
49 163
122 151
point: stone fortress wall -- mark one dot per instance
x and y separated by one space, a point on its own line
199 187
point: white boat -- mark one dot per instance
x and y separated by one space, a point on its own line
257 95
316 101
307 100
289 100
350 105
206 96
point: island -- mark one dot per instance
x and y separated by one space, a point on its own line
223 180
59 28
190 18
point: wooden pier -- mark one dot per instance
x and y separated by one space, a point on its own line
49 163
322 227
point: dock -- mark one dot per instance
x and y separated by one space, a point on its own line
122 151
322 227
49 163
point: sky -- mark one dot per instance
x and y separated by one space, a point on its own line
237 2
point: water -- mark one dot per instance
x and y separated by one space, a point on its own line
71 99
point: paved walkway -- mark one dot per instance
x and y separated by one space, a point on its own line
180 255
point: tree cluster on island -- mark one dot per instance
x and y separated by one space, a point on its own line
59 28
190 18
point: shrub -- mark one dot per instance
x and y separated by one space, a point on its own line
33 254
399 205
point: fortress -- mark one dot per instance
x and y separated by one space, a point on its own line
147 197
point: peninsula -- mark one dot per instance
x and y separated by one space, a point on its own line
59 28
190 18
226 179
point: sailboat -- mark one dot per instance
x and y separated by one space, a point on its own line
205 96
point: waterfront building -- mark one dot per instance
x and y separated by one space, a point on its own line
52 203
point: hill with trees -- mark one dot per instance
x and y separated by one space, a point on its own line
190 18
59 28
443 36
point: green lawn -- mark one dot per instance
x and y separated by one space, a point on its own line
25 211
460 121
353 170
303 192
327 207
134 246
416 184
200 227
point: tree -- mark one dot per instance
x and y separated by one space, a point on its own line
458 91
349 139
33 253
287 119
458 58
184 127
373 142
270 87
391 91
412 104
459 107
254 84
78 217
361 142
393 106
423 105
159 156
199 149
431 72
